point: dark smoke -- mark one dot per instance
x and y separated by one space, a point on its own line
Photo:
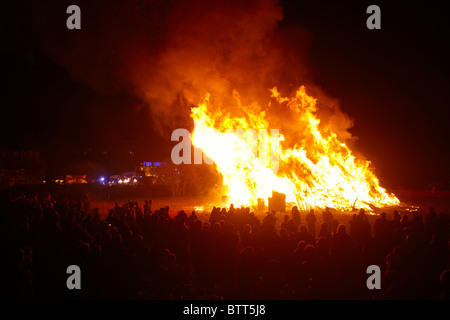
171 53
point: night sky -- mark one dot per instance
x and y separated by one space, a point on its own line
392 82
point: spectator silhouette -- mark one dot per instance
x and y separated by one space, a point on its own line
226 254
304 235
445 283
328 217
381 224
342 243
311 221
324 231
296 218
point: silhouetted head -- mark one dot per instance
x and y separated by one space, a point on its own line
391 261
215 228
247 228
432 215
300 246
247 253
445 280
198 224
341 229
139 240
18 257
310 252
85 249
436 239
323 245
390 278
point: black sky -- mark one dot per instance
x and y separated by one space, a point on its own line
392 82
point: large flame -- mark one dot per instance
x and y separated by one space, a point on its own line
318 171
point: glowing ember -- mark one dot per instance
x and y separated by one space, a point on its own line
317 171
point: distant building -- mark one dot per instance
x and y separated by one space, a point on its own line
151 170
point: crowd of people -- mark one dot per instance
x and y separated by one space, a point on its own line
136 252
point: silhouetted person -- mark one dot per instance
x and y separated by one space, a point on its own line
288 224
381 224
269 221
311 220
18 282
285 222
445 283
296 217
247 278
396 218
342 243
328 218
324 231
304 235
147 207
162 255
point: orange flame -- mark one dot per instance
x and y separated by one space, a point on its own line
319 172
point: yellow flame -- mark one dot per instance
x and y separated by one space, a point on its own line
319 172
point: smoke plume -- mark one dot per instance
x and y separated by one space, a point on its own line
171 53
